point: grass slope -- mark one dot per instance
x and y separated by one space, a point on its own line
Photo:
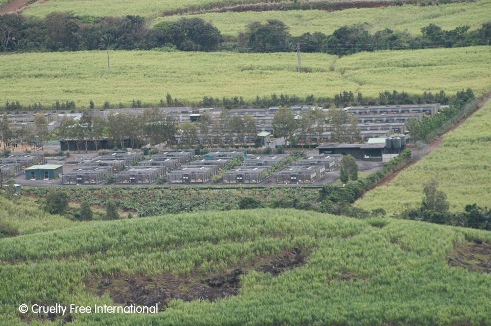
461 166
363 272
146 8
400 18
188 76
27 218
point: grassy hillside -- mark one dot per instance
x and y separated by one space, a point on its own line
150 8
408 17
363 272
27 217
462 167
149 76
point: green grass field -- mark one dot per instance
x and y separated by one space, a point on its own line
461 166
362 272
408 17
149 75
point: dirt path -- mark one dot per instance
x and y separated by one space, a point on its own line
17 6
437 143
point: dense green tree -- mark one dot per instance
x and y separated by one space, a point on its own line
56 202
86 213
434 200
272 36
350 168
6 133
10 31
189 133
62 31
284 123
41 128
111 210
187 34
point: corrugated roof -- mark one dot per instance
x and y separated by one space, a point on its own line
44 167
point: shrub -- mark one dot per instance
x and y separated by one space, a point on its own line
249 203
111 210
86 213
56 202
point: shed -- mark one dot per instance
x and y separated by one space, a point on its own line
46 171
245 175
263 138
358 151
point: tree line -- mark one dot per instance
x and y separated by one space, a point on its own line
434 208
67 32
426 128
342 99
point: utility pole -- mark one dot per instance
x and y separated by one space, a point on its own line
299 61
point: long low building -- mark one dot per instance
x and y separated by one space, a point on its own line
429 109
358 151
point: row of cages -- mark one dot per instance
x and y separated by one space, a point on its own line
254 169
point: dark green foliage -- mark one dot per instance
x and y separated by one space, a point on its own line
249 203
477 217
111 210
186 34
56 202
378 212
434 200
272 36
343 174
86 213
349 169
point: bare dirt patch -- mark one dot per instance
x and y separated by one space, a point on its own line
473 255
148 290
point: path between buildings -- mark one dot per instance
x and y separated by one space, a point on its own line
437 143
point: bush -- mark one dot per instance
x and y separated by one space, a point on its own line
86 213
111 210
56 202
249 203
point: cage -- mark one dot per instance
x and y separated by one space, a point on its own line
130 158
87 175
181 156
166 165
116 165
263 160
245 175
138 175
220 163
329 162
300 174
190 175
